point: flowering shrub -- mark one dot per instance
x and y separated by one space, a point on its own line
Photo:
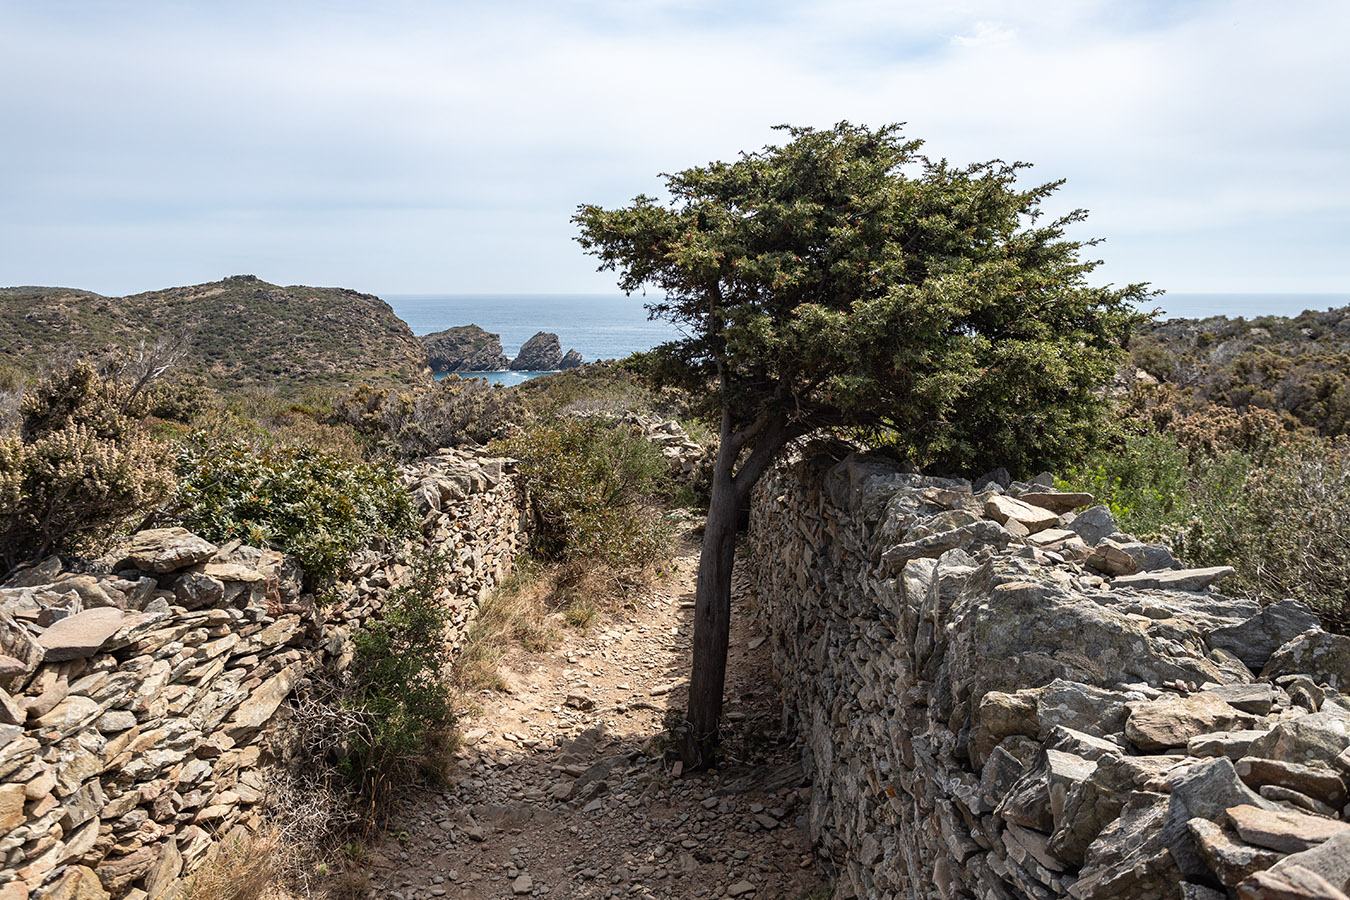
78 470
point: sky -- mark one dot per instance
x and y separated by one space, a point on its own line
442 147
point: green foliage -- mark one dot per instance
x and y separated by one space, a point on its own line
1229 489
182 399
238 331
1298 368
78 470
592 488
595 388
266 418
315 505
1151 486
399 687
1286 530
414 423
844 280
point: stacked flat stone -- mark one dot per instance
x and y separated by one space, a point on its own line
1000 698
142 711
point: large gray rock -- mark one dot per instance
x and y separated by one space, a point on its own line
571 360
80 635
1320 736
1227 855
1171 721
1254 640
1174 579
970 538
1323 656
1129 858
1053 632
464 348
1009 509
1329 860
1093 524
1056 502
1205 790
1283 829
540 353
161 550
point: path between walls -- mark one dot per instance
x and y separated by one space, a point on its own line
560 791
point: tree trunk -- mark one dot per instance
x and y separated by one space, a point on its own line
712 622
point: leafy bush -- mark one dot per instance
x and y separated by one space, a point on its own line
183 399
606 387
78 470
315 505
399 689
266 418
1229 489
418 422
1152 486
592 489
1286 531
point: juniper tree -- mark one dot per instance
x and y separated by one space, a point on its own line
845 281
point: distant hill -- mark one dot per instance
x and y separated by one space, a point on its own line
1297 365
238 332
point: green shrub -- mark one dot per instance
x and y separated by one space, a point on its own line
78 470
183 399
316 505
609 387
1279 513
593 488
398 688
1286 531
1151 485
415 423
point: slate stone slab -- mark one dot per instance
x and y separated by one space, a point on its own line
80 635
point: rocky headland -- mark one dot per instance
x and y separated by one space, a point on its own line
464 348
239 331
469 348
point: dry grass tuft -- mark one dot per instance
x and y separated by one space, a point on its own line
240 870
532 607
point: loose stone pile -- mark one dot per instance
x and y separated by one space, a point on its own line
1000 698
142 710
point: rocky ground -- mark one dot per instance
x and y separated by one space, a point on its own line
563 790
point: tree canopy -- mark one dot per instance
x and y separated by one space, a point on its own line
845 281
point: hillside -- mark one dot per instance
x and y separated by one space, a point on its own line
238 331
1299 366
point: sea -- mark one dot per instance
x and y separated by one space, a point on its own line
612 326
598 326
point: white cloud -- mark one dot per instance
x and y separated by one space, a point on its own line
443 146
985 33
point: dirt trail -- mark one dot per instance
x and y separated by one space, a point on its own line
562 792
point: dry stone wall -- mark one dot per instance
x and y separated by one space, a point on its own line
143 712
998 698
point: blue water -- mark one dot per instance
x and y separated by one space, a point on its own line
598 326
612 326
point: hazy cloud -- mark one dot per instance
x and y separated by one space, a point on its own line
433 146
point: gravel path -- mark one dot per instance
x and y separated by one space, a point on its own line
562 791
